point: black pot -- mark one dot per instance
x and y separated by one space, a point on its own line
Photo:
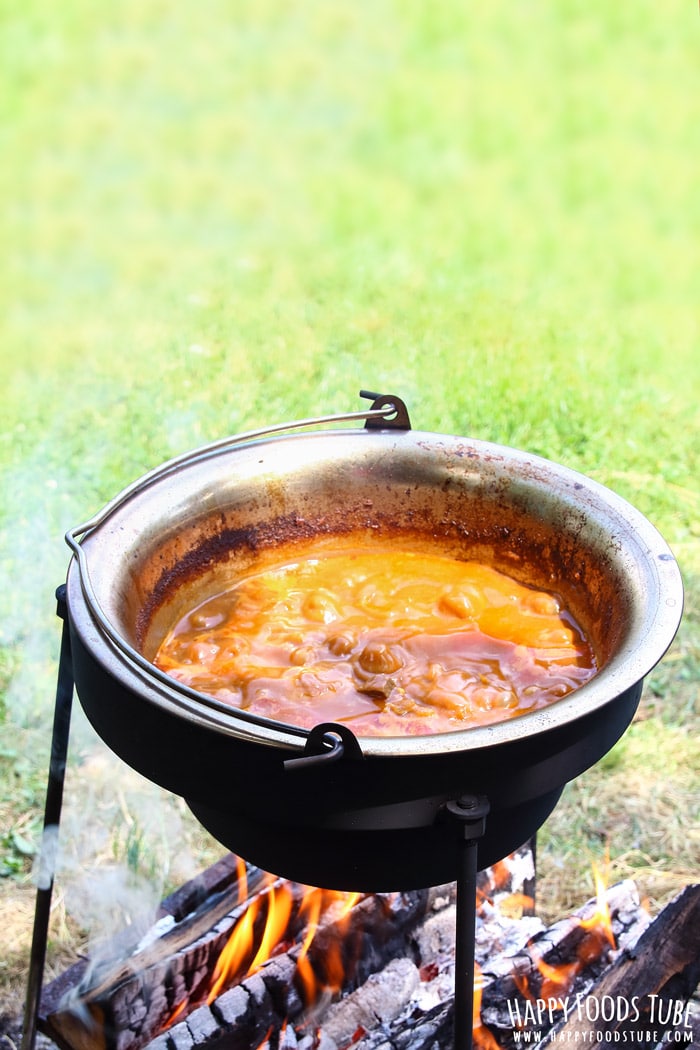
324 807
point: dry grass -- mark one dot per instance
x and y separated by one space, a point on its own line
66 941
639 808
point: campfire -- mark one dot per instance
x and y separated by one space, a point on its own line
240 960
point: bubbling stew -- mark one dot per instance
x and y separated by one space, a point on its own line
392 642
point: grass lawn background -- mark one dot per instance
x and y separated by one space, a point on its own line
219 216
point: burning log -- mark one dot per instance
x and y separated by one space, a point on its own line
122 1006
79 1008
647 991
531 988
269 1001
185 915
516 987
169 978
557 991
385 980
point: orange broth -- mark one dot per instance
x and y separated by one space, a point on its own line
392 643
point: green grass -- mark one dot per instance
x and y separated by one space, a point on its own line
219 216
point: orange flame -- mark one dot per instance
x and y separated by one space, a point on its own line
241 879
266 1041
270 916
481 1035
557 980
500 874
515 905
314 904
312 908
600 921
231 959
278 913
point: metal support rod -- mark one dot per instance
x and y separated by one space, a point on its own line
52 817
470 812
465 946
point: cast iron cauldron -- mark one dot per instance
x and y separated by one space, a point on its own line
324 807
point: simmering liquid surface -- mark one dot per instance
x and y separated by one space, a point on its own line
393 643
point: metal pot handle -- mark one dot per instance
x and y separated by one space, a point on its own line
387 412
327 742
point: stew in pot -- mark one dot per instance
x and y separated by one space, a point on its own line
391 642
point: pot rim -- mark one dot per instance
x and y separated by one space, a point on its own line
626 667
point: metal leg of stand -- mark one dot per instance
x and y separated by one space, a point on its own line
470 812
52 817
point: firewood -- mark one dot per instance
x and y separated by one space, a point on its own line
379 926
222 875
123 1002
212 910
126 1003
648 988
182 918
505 976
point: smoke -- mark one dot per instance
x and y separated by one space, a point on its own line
45 864
37 502
122 842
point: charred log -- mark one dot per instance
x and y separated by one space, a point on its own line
647 992
511 984
162 982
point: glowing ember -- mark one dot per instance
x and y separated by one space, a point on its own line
265 1043
515 905
328 969
284 1039
481 1035
556 981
